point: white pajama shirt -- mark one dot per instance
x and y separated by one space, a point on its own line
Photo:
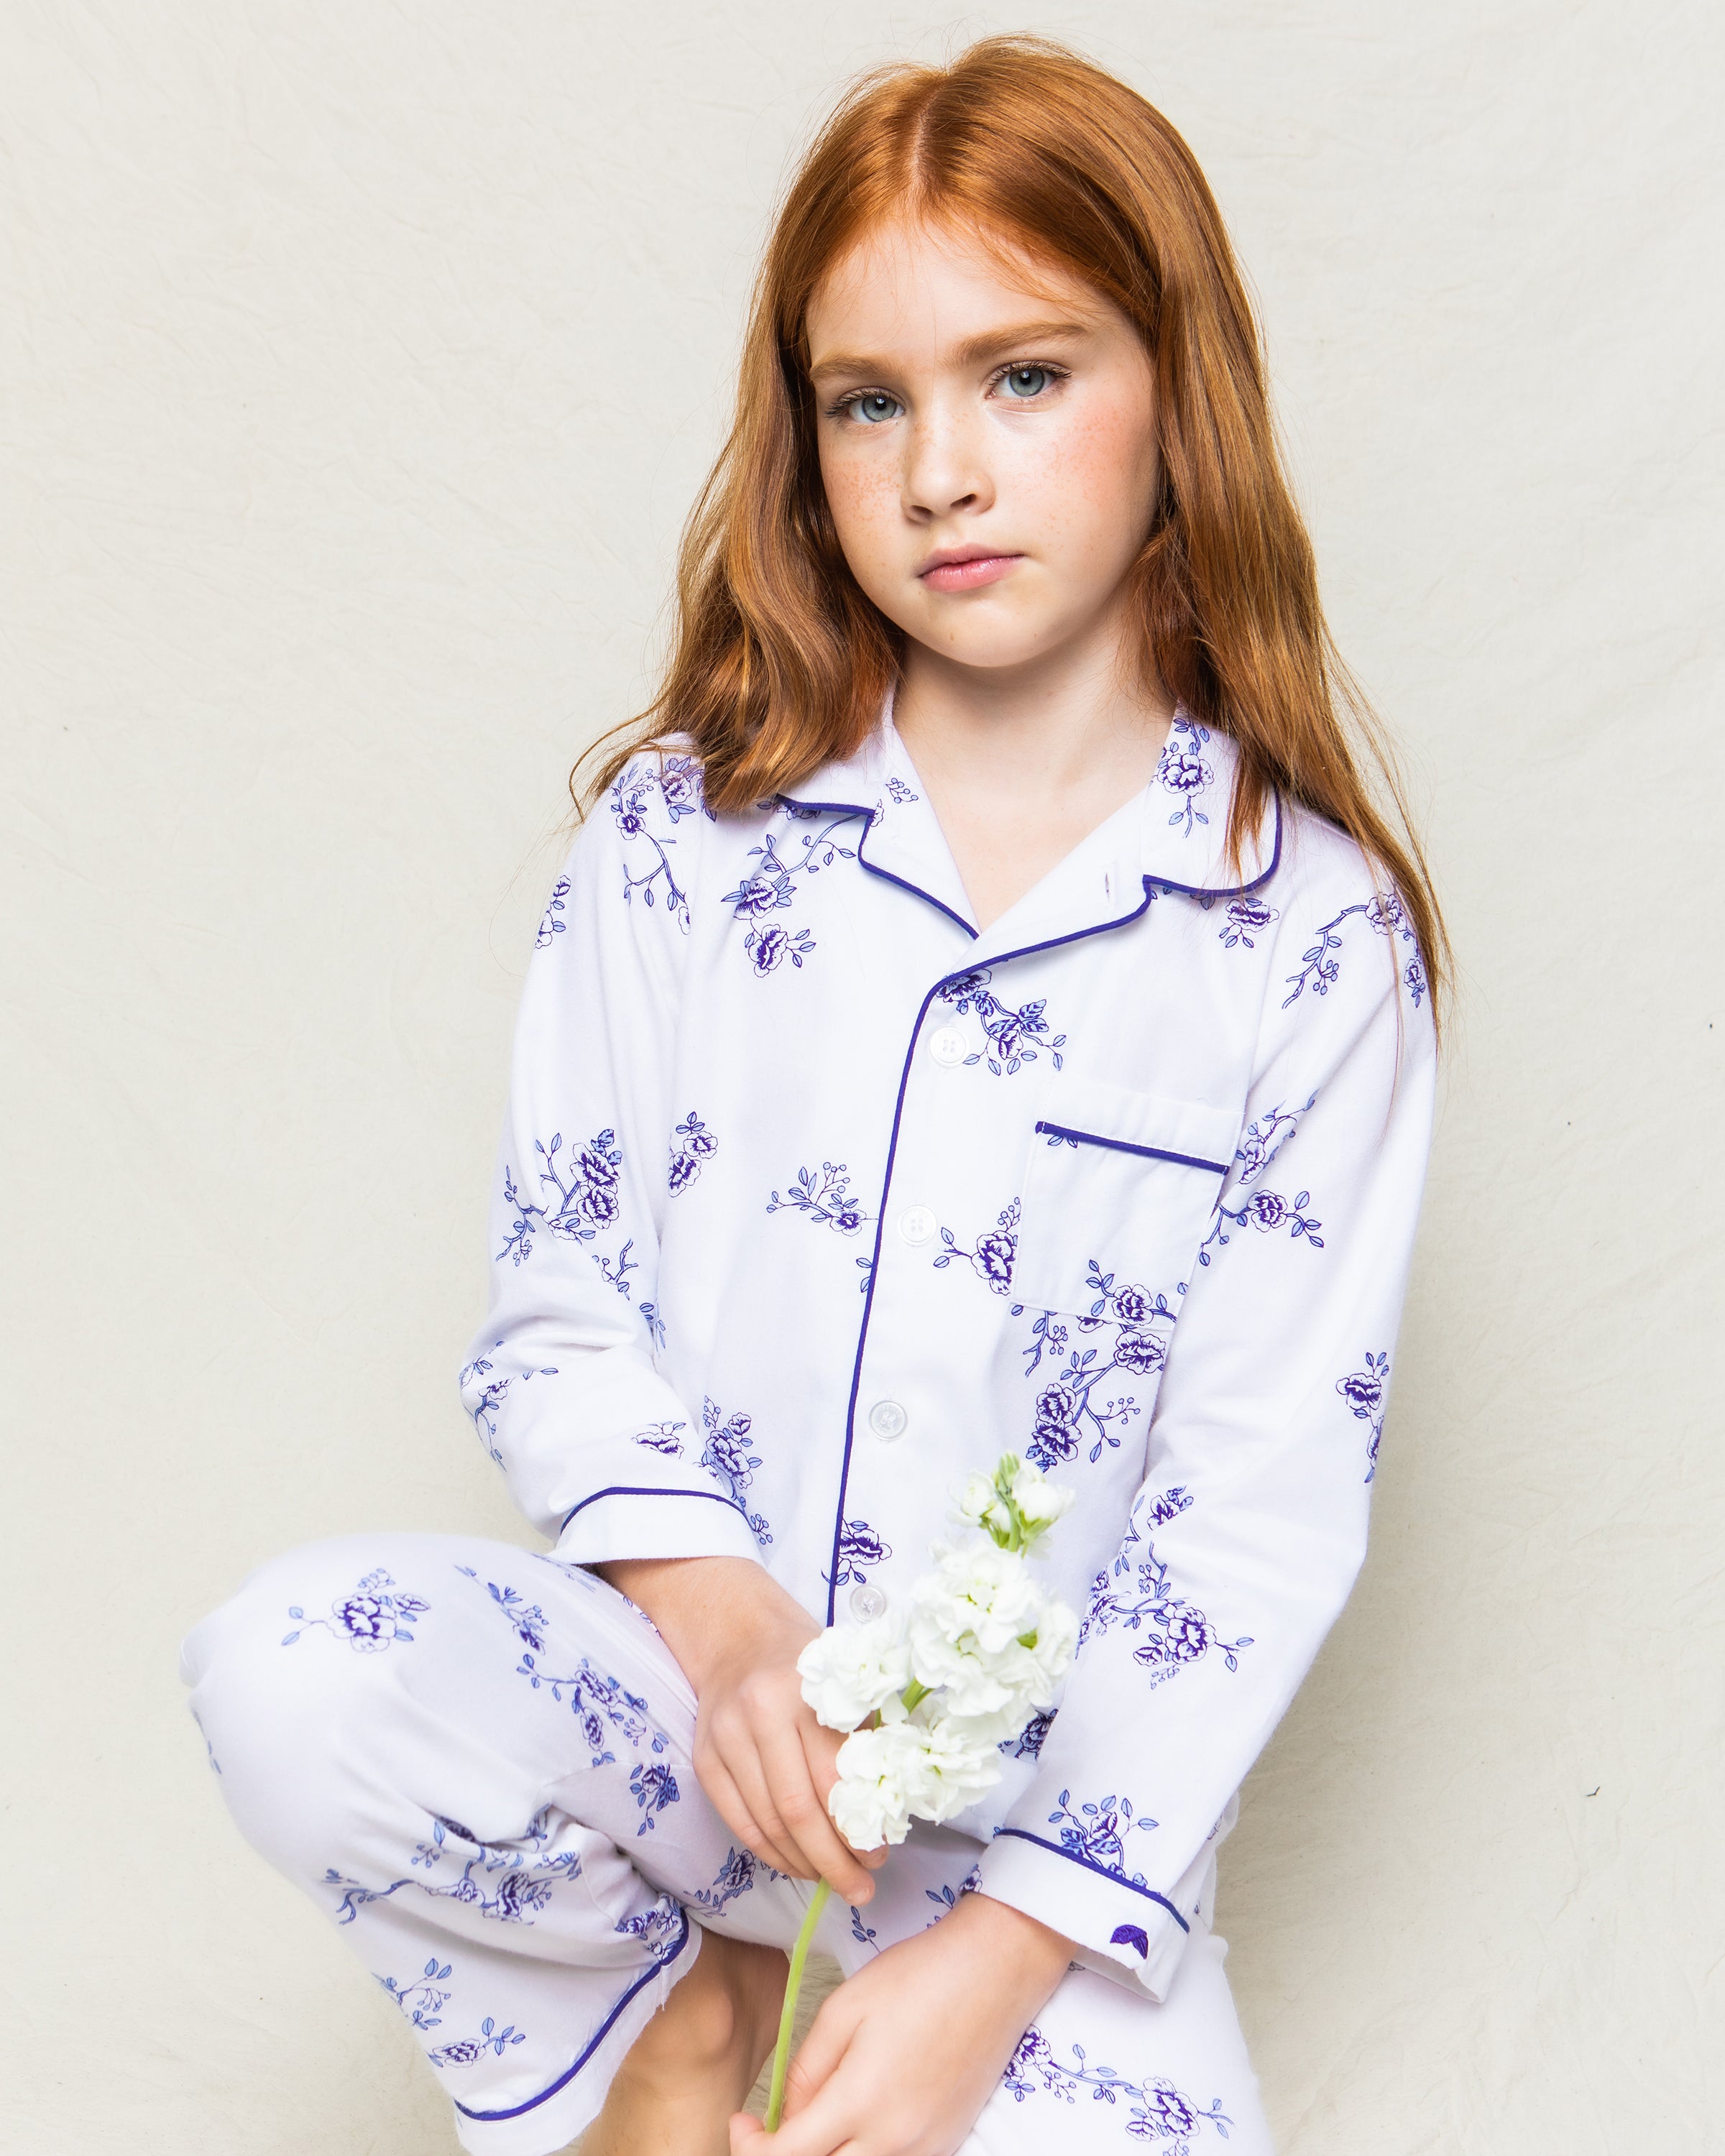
812 1198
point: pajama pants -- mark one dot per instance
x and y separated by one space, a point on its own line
477 1761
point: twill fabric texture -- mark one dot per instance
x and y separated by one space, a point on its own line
812 1198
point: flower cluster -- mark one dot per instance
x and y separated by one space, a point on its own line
929 1694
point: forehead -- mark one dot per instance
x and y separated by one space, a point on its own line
913 283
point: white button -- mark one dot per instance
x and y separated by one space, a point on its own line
947 1045
917 1224
887 1419
866 1603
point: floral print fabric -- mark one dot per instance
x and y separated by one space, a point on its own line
494 1805
810 1199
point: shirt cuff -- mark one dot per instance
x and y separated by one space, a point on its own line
1121 1931
623 1521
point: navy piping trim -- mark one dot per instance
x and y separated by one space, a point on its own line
622 1490
604 2029
1076 936
850 808
1120 1145
1227 890
1053 1848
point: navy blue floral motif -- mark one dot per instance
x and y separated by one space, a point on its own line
1267 1211
1160 2112
1319 969
737 1875
677 781
662 1927
617 1271
1014 1037
772 886
421 1999
598 1701
1168 1505
1029 1742
503 1881
900 791
488 1404
946 1899
653 1789
826 1199
662 1437
1265 1137
467 2050
553 925
1097 1832
1069 1410
1366 1393
372 1618
581 1195
728 1456
859 1545
698 1144
654 1324
1185 772
1178 1633
993 1259
1244 920
864 1934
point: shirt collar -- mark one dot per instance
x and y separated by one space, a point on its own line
1171 838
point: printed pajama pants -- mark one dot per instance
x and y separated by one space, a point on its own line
477 1760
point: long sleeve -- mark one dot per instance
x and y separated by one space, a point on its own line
560 1381
1245 1536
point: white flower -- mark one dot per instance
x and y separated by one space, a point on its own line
979 1505
1057 1643
871 1801
850 1671
948 1764
911 1767
980 1593
1040 1502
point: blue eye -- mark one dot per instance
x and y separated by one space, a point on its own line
872 407
1023 381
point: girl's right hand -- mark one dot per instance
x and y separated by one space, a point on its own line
764 1762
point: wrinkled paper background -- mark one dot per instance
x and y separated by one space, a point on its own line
358 364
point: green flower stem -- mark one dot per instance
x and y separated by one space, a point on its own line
788 2019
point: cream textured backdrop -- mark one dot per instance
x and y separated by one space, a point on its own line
358 363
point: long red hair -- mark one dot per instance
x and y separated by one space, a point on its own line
780 662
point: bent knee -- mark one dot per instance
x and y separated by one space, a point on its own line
290 1681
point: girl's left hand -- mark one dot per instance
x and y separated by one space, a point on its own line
904 2055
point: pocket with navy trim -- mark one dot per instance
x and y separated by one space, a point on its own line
1119 1185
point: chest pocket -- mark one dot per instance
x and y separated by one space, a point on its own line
1119 1183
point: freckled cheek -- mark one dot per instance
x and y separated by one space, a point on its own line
1091 485
863 494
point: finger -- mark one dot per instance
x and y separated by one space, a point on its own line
797 1802
728 1800
748 1774
818 2056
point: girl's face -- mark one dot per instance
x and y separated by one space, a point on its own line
987 443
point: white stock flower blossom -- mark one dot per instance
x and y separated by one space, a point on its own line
1040 1502
982 1648
911 1769
850 1672
981 1592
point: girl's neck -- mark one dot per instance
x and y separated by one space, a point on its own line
1020 765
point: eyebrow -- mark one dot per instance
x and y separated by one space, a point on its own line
974 351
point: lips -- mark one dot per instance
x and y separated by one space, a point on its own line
966 568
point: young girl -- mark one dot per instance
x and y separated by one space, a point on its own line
985 1012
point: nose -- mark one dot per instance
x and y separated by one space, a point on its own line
946 469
